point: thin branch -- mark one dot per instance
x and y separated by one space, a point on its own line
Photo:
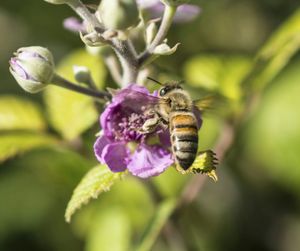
167 20
86 15
123 48
128 60
113 66
61 82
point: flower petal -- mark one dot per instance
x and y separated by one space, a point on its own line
134 96
132 99
99 145
116 156
186 13
164 138
149 161
74 24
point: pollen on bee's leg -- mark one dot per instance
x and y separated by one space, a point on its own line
180 170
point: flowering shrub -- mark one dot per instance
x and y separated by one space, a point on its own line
124 38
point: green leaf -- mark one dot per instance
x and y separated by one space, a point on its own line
110 231
275 54
132 197
217 73
18 114
99 179
60 166
277 122
72 113
19 142
161 216
26 202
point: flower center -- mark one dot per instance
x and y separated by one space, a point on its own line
128 127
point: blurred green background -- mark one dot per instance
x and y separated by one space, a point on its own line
255 205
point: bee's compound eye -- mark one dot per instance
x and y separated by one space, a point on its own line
163 91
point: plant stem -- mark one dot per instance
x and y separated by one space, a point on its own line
167 20
61 82
113 66
86 15
124 49
128 59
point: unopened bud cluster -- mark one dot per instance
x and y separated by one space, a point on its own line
107 29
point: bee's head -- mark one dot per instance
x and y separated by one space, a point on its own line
167 87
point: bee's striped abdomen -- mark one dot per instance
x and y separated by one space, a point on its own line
184 137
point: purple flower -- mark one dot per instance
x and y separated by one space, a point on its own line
184 13
122 146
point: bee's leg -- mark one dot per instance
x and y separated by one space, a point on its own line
164 123
151 124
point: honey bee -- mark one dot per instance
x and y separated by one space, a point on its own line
175 110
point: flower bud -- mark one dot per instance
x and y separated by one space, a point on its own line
32 67
82 74
119 14
150 33
165 50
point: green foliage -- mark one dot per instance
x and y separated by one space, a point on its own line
275 54
131 197
277 122
60 166
217 73
21 123
35 188
169 183
20 114
72 113
160 218
22 210
97 180
110 231
19 142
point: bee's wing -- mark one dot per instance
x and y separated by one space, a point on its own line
135 100
210 103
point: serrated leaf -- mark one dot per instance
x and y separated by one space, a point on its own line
275 54
72 113
99 179
19 142
20 114
156 224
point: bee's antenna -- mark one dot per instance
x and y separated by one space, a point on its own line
152 79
